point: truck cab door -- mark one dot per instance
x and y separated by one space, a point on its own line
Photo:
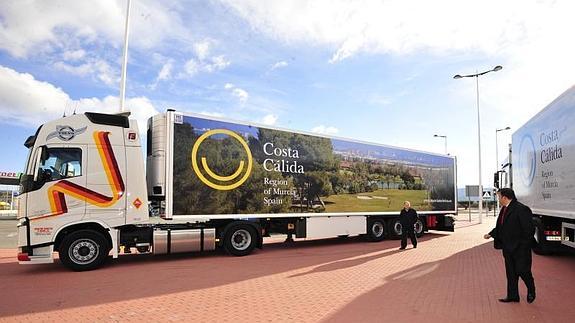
53 193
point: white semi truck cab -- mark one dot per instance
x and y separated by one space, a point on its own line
86 193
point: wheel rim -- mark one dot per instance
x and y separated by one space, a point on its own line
377 229
83 251
397 228
241 239
418 227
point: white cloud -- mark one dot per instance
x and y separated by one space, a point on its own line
218 63
202 49
74 55
192 67
203 62
30 102
402 27
279 65
269 119
166 71
164 74
32 25
98 68
80 70
214 64
325 130
25 100
241 94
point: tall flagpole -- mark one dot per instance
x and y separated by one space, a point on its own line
125 62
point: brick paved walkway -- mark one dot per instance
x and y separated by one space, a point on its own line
449 278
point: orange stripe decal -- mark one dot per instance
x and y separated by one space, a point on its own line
58 191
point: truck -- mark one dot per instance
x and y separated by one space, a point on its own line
541 170
211 183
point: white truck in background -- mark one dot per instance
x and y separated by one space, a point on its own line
541 171
213 183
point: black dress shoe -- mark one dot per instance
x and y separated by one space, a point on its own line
509 300
530 297
402 248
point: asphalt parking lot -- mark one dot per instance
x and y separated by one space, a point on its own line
450 277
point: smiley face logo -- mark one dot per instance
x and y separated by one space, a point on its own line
527 161
228 182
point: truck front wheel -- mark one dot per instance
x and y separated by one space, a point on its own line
240 239
83 250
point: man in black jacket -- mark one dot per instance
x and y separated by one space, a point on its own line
407 218
513 234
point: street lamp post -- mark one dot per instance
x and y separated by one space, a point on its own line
445 141
477 75
497 154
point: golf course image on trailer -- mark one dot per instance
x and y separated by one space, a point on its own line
229 168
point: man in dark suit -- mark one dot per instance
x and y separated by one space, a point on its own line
407 218
513 234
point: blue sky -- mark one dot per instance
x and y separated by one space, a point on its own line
373 71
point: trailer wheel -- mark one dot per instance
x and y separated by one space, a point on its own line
540 246
240 239
419 228
84 250
396 228
375 230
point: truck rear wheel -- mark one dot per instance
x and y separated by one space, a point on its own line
396 228
419 228
240 239
375 230
84 250
540 245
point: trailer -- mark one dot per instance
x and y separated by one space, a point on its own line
213 183
541 170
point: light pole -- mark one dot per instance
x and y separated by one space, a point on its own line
445 143
497 155
477 75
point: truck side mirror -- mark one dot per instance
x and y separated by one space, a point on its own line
496 180
26 183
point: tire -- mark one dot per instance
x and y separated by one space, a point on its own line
84 250
396 228
376 230
540 245
419 228
240 239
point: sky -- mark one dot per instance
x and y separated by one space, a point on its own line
376 71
